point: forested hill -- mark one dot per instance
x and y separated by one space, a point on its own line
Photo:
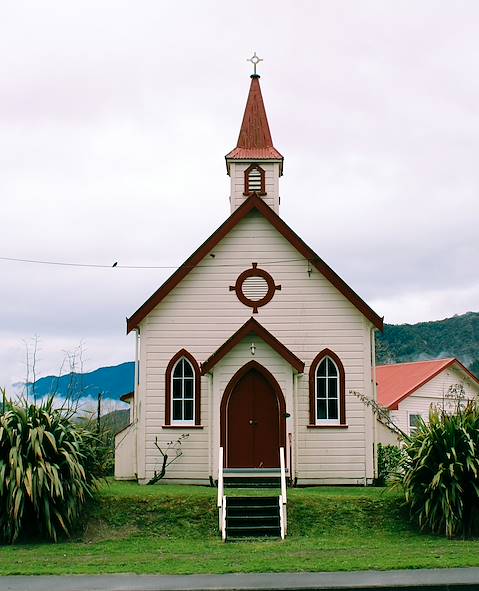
452 337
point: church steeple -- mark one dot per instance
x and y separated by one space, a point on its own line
254 165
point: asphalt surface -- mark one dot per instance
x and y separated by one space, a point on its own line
457 579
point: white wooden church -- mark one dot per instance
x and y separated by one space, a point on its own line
253 344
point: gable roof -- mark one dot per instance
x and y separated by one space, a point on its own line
398 381
253 203
254 140
252 327
127 397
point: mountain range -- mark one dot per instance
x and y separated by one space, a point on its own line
452 337
112 382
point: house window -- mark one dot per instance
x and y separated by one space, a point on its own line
182 392
414 421
254 180
327 390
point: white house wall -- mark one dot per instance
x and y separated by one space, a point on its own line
433 392
125 453
307 315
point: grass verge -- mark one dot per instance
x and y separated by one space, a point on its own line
170 529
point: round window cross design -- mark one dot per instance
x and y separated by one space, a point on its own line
254 287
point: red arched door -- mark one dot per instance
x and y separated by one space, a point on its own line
253 420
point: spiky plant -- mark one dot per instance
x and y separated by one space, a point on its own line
43 483
441 471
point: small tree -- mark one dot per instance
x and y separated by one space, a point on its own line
439 464
43 480
169 454
441 471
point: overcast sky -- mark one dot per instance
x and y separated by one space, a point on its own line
115 118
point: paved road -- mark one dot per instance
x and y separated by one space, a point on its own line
457 579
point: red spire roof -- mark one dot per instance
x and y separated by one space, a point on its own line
254 141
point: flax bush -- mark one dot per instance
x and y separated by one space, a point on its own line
43 481
441 471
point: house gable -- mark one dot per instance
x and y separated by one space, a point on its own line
253 203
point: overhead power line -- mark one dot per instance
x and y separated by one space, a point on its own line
116 265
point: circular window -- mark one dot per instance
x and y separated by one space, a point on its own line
255 287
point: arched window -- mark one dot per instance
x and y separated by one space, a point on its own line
182 392
327 390
254 180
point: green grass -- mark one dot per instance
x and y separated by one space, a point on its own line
169 529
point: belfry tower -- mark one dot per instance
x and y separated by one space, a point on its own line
255 165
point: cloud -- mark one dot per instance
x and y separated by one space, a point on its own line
116 116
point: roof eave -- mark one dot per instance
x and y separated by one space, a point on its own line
229 160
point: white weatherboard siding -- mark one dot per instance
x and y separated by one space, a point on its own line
307 315
386 436
125 453
433 392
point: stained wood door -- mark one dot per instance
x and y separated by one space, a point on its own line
253 423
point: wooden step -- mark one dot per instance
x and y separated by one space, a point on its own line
252 521
252 501
252 517
252 477
258 531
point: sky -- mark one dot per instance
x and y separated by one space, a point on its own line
115 117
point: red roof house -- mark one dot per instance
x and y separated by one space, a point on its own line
409 389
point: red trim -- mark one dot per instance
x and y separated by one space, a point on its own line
253 203
338 426
262 191
312 389
395 404
169 369
250 327
183 427
229 389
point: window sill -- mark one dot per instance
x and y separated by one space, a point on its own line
333 426
182 427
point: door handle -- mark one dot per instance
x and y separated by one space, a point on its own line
253 422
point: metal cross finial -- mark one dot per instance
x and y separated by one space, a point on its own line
255 61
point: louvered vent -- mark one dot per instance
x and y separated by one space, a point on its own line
254 181
255 288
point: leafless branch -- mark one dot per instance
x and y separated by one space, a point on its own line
383 415
175 447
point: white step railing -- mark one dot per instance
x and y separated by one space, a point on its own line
223 520
283 499
221 498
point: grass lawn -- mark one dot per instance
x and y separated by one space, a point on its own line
168 529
